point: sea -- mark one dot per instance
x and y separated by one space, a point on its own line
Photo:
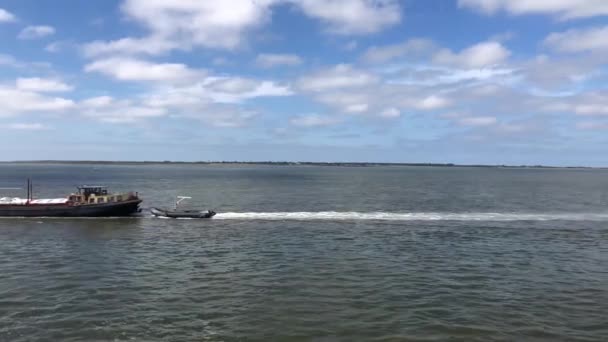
312 253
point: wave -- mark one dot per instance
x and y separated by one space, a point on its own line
412 216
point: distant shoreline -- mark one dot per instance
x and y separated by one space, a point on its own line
286 163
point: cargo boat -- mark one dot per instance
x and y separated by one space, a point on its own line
89 201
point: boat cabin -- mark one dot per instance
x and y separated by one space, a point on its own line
98 195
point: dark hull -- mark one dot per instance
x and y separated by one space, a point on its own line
182 213
90 210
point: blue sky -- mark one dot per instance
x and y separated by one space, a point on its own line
460 81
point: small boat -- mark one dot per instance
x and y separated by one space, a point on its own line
177 213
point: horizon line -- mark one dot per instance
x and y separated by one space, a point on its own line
319 163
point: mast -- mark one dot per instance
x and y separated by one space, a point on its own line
28 190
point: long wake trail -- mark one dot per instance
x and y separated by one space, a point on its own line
412 216
364 216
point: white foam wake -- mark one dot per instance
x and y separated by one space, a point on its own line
387 216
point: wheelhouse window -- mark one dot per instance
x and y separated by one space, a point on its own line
91 200
101 200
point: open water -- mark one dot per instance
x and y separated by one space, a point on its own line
302 253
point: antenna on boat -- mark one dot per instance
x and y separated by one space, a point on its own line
179 199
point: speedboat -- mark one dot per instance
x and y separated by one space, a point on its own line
178 213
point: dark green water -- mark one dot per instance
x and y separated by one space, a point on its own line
313 253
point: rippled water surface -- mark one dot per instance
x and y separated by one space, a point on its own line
313 253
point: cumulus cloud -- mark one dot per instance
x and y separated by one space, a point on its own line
131 69
564 9
584 104
6 16
477 121
339 76
561 75
370 95
58 46
579 40
26 126
7 60
38 84
14 101
184 24
108 109
412 47
390 113
269 60
431 102
480 55
353 16
153 45
314 120
35 32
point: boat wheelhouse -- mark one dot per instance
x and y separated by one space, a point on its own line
87 195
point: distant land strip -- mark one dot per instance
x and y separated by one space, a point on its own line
288 163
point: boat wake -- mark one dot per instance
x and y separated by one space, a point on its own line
363 216
420 216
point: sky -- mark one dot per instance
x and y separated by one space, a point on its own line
440 81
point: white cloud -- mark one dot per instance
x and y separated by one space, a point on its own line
268 60
153 45
564 9
6 16
347 100
200 103
15 101
227 90
428 75
97 102
390 113
353 16
26 126
7 60
591 109
477 121
314 120
559 74
236 89
130 69
485 54
58 46
340 76
432 102
220 61
412 47
357 108
585 104
42 85
579 40
108 109
184 24
35 32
